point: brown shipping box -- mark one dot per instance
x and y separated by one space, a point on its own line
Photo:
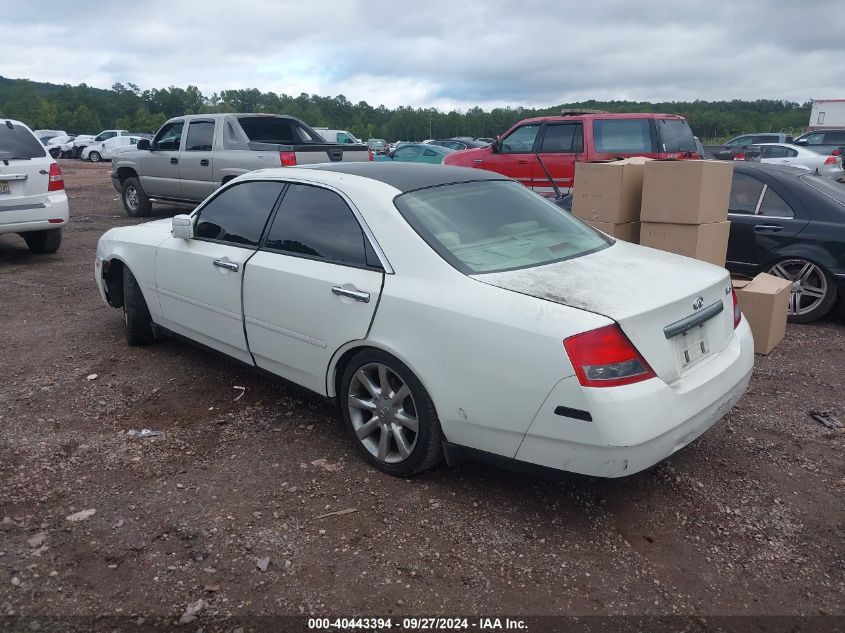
686 191
707 242
609 192
628 231
764 302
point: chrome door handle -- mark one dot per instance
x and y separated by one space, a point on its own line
225 263
340 291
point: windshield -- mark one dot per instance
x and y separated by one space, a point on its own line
17 142
828 187
493 226
675 136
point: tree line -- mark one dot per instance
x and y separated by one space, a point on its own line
83 109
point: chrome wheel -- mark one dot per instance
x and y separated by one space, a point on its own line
383 413
131 197
94 157
809 285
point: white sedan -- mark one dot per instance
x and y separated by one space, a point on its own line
787 154
106 150
448 311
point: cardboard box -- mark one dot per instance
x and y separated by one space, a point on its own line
686 191
609 192
707 242
628 231
764 302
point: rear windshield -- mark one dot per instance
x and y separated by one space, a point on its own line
674 135
19 143
492 226
622 136
263 129
827 186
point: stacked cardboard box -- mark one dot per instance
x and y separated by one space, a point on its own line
685 208
607 196
764 302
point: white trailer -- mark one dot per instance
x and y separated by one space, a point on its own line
827 113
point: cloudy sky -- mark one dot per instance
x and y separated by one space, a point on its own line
440 53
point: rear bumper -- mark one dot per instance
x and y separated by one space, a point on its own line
53 213
635 426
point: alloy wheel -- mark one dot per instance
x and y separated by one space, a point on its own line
383 412
809 284
132 199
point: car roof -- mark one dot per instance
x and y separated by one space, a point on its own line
604 115
406 176
783 171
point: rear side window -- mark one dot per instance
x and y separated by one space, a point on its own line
745 194
19 143
317 223
237 215
266 129
562 138
622 136
200 135
774 206
834 138
675 135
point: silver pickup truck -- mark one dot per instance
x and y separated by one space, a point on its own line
191 156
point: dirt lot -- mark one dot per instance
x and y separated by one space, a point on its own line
746 520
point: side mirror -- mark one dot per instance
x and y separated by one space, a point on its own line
182 227
801 141
144 144
391 153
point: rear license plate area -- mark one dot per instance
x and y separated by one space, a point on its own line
5 187
691 346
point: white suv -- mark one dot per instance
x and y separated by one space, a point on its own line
33 201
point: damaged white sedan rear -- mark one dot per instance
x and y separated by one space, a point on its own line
449 312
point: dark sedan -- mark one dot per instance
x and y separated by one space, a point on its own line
791 224
458 143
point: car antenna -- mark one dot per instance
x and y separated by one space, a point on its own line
558 195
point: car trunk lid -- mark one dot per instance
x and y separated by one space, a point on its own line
652 295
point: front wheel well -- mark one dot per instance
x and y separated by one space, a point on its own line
123 173
113 280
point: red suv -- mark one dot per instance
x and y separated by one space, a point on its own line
561 141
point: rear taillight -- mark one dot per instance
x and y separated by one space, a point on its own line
56 182
737 311
370 154
830 160
288 159
606 358
739 156
836 152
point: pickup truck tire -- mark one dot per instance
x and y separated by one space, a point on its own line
383 403
94 157
135 201
136 314
42 242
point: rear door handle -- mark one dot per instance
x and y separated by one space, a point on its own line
204 162
762 228
340 291
174 160
225 263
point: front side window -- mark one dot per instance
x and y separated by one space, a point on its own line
317 223
623 136
106 136
814 139
774 206
492 226
237 215
562 138
429 152
200 136
17 142
169 137
745 194
520 141
675 135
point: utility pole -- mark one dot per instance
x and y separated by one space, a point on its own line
429 124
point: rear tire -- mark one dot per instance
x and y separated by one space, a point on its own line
389 415
136 314
43 242
135 201
813 292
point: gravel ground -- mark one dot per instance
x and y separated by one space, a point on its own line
234 503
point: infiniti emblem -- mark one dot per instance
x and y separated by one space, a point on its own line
697 303
384 410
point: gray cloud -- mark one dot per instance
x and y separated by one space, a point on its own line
442 53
